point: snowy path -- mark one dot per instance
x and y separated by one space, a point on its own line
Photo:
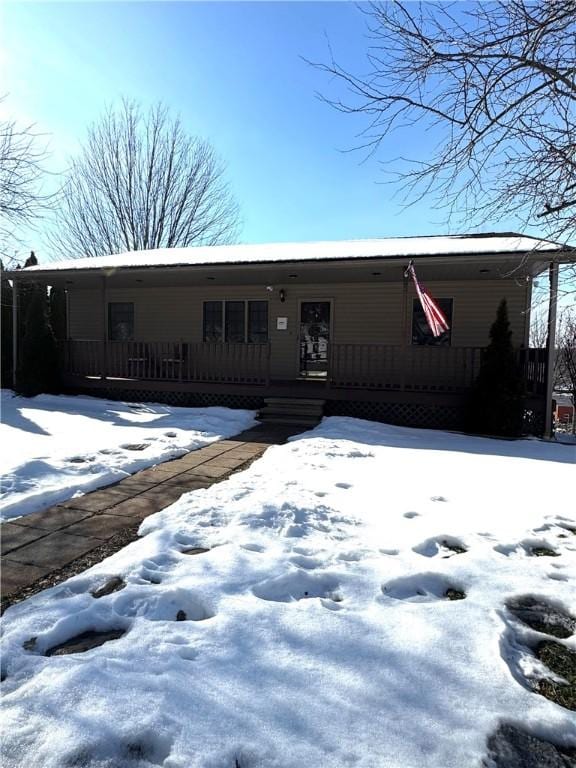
54 447
353 607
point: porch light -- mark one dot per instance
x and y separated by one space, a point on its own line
282 295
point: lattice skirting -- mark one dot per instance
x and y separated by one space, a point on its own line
420 415
184 399
400 414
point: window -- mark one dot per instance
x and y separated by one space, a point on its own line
120 321
236 321
213 325
257 322
421 333
235 315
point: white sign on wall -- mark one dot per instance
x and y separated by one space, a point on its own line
281 323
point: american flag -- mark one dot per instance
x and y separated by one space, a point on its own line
434 315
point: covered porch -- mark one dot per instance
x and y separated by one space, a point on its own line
376 367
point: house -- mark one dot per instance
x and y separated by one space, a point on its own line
563 411
336 322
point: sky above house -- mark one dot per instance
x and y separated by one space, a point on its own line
237 75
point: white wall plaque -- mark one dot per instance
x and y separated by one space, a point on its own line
281 323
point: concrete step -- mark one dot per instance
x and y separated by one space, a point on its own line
309 410
293 400
289 419
306 412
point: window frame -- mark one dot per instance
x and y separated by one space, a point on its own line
445 340
246 316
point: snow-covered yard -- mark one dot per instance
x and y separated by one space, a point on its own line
358 604
54 447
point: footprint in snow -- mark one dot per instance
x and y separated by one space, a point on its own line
542 615
114 584
423 588
440 546
304 551
308 563
411 515
153 570
557 577
249 547
528 547
79 643
194 551
176 604
344 486
509 746
521 644
438 498
80 459
293 587
351 557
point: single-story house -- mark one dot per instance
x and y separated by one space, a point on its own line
337 322
563 410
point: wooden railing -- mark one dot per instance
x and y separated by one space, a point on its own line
375 366
350 366
167 361
448 369
533 366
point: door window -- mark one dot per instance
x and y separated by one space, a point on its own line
314 338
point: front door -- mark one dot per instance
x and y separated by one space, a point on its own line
314 339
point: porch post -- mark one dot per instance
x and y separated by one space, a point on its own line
104 356
551 347
404 331
14 331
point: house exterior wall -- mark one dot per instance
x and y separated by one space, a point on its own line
85 314
362 313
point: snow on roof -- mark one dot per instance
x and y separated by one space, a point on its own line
393 247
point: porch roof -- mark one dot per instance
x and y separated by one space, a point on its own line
448 254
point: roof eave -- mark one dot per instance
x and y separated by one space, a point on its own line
537 258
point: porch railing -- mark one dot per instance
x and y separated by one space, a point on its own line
167 361
533 364
376 366
361 366
449 369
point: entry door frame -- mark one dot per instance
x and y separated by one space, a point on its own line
312 300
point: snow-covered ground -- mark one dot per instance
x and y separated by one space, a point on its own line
53 447
315 631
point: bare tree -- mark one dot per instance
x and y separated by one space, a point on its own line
566 358
496 85
538 329
140 182
21 159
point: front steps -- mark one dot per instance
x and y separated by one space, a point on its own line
291 410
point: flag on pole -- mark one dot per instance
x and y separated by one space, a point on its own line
434 315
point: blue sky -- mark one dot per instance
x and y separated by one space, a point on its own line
235 74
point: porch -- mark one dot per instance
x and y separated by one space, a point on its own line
338 367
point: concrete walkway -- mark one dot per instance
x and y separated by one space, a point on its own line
36 545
